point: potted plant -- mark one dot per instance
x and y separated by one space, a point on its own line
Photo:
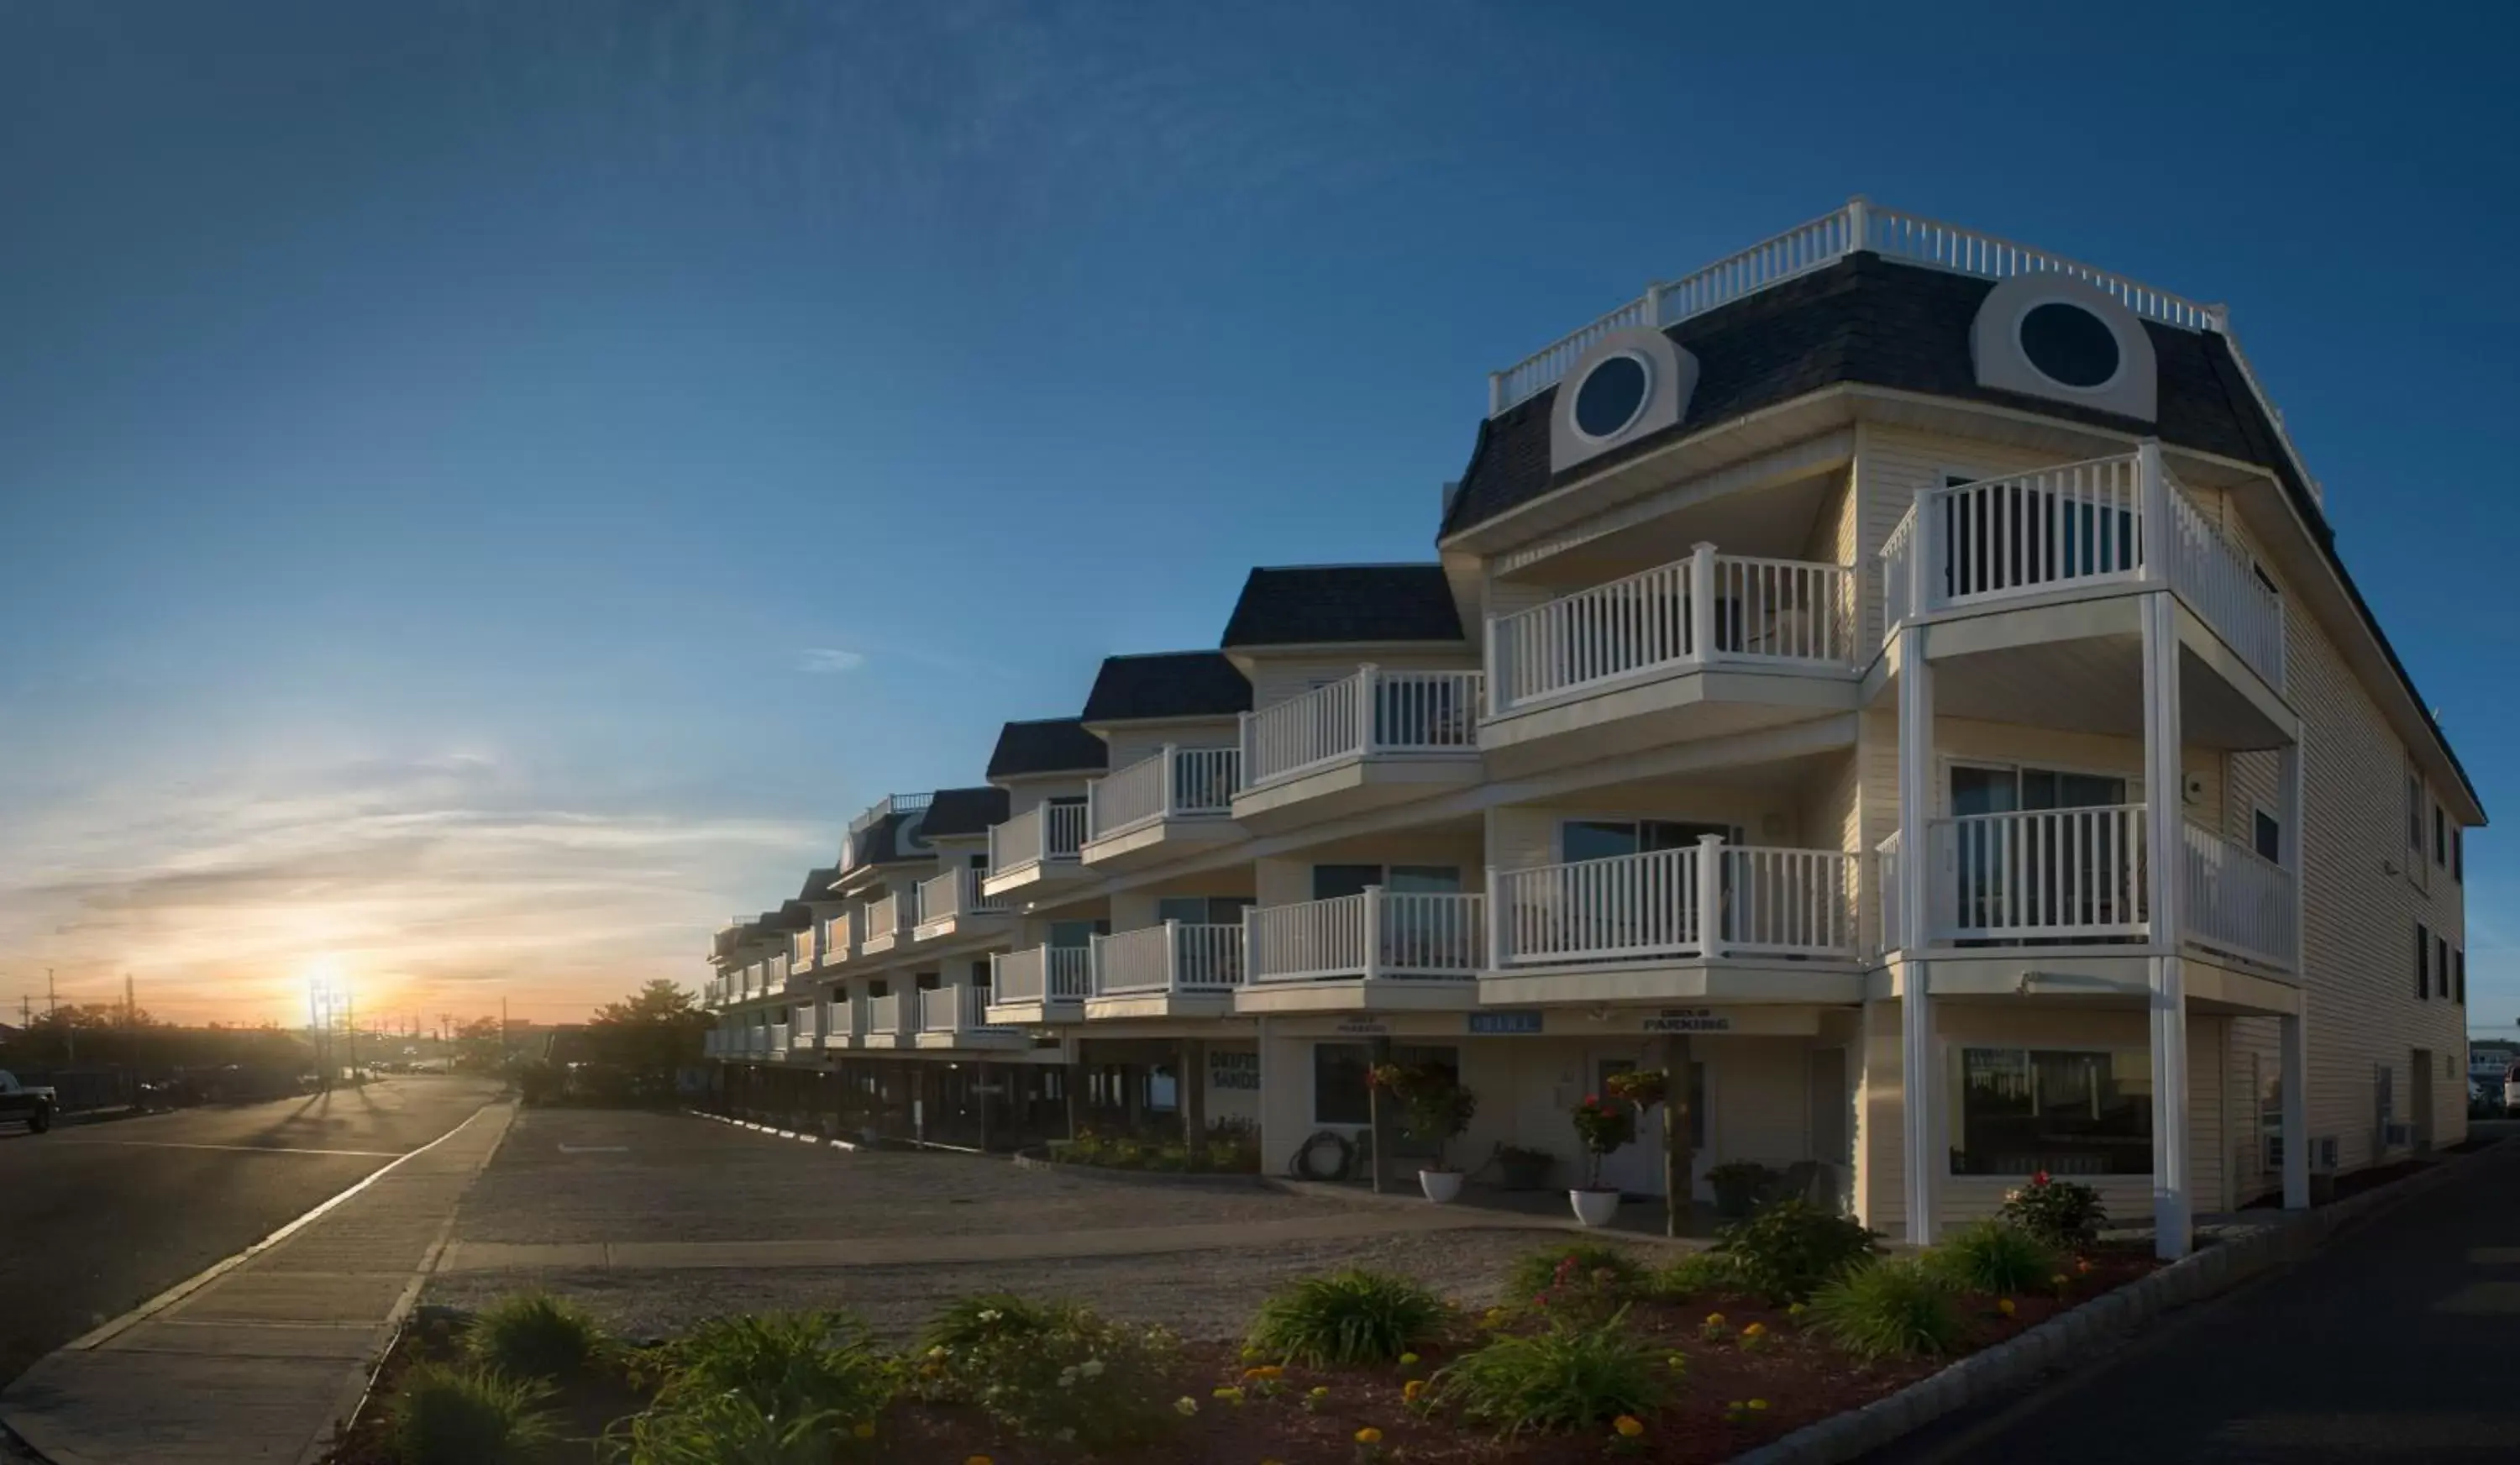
1519 1168
1435 1108
1737 1185
1601 1127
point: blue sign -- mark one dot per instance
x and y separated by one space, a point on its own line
1505 1023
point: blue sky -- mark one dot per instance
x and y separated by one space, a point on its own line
488 490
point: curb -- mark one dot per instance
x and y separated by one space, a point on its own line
2093 1326
775 1133
1158 1178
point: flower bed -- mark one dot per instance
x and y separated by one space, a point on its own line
1009 1381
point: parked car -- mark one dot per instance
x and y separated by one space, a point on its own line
2511 1086
33 1107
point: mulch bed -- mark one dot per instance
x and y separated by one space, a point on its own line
1797 1378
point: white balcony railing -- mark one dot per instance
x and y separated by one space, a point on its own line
954 896
883 1016
1174 783
1045 834
1765 613
957 1009
1043 974
801 951
1764 902
2237 900
2037 874
2079 525
779 1040
1825 240
1175 956
837 941
890 920
1377 934
1370 713
804 1028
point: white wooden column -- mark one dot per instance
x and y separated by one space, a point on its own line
2294 1053
2289 782
2173 1183
1924 1159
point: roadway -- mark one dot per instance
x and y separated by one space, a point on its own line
2390 1344
97 1219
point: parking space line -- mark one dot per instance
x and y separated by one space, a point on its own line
250 1149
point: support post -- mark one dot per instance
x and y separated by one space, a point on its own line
980 1091
1193 1087
1374 935
1710 895
1169 770
1492 907
1701 601
2290 765
1378 1116
2152 494
1678 1158
2172 1184
1923 1155
1365 699
2292 1044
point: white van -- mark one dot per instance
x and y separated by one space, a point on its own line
2511 1086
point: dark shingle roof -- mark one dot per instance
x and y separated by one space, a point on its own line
1047 745
1167 683
876 844
1870 319
818 884
964 810
1316 605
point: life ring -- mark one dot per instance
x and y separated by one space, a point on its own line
1306 1166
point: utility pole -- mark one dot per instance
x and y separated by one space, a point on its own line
503 1032
130 1010
53 1012
351 1029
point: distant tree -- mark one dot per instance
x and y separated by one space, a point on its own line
652 1032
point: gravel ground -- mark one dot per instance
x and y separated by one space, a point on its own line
1200 1295
568 1175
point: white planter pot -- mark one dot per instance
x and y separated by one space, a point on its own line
1440 1186
1594 1208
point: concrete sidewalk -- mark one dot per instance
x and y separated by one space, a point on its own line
258 1359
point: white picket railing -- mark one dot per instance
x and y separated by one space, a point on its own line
1173 783
801 951
892 919
1043 974
2237 900
839 941
1370 713
1817 245
1765 902
941 1010
1374 935
1174 956
955 895
883 1015
2079 525
1043 834
1761 612
2037 874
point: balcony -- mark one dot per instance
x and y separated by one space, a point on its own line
804 1029
1172 970
1044 984
891 923
1379 949
839 1022
801 953
1718 922
952 905
836 941
2062 877
2080 530
715 1042
1154 808
1369 739
1037 847
891 1021
957 1017
777 1048
1711 643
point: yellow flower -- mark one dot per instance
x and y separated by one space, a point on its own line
1677 1361
2004 1306
2058 1280
1263 1371
1758 1404
978 1460
1755 1330
1628 1426
1411 1390
1321 1391
1369 1436
1230 1395
1715 1319
1185 1407
1796 1310
864 1429
1408 1359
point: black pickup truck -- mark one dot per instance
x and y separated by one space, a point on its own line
32 1107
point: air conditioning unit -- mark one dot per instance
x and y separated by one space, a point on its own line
2322 1152
2397 1136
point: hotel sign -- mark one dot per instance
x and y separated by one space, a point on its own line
1503 1024
1688 1020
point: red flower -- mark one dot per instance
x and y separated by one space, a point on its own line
2038 1178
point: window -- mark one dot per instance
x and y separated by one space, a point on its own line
1608 838
2068 1112
1331 882
2423 954
2414 811
2441 965
2069 345
929 981
983 977
2268 835
2441 837
1203 909
2271 1114
1339 1084
1068 934
1612 395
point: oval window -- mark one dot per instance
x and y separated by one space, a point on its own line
1613 393
2068 344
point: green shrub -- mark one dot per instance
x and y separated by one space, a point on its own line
1994 1255
1578 1277
788 1365
1566 1378
534 1335
1790 1250
1696 1275
1345 1320
1054 1371
2058 1211
1888 1310
465 1416
728 1429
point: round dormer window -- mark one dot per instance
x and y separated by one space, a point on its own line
1612 395
2068 344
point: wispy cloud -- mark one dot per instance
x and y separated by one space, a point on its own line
829 661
